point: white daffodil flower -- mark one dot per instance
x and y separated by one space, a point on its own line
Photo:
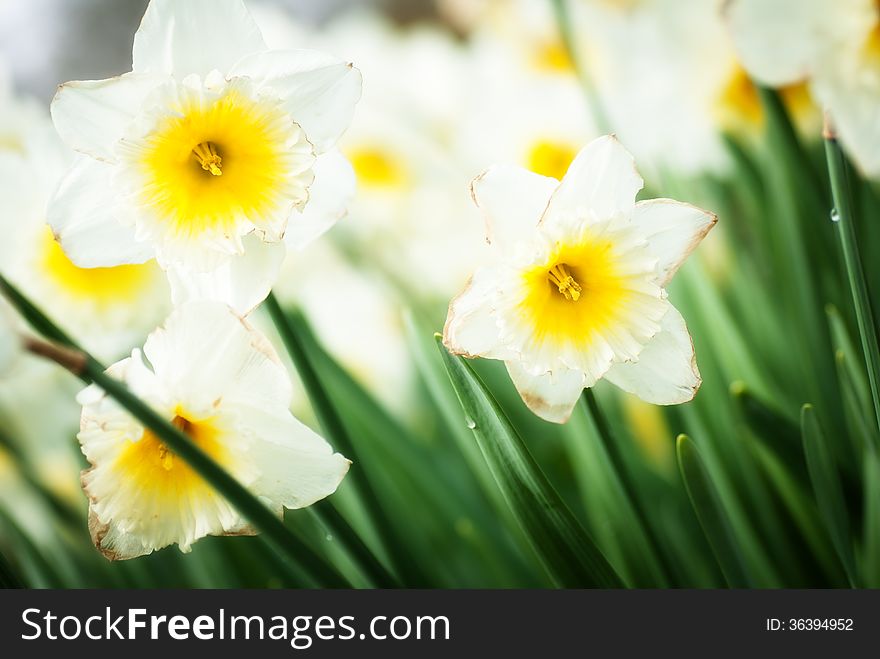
221 382
577 288
108 309
834 44
204 155
674 57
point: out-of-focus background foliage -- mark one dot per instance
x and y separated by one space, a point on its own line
451 87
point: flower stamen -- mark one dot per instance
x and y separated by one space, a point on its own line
166 455
209 159
559 276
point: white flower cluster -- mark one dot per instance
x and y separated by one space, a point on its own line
201 180
205 163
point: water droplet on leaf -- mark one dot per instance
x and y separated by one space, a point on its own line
835 216
471 423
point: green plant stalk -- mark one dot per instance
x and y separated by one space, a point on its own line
612 449
330 518
89 370
801 196
333 425
842 193
802 510
567 551
36 570
871 520
828 490
711 514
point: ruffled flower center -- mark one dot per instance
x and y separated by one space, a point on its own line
595 293
213 161
157 472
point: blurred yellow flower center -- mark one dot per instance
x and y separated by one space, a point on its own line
208 163
104 286
152 469
376 167
552 56
871 48
797 100
550 158
11 143
576 294
738 102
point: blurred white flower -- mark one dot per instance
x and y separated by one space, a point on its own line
671 84
357 317
109 309
203 155
835 44
576 288
220 382
412 200
528 105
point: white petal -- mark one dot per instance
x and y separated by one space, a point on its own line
195 36
672 230
781 41
552 396
319 91
241 281
852 105
81 214
666 372
296 466
92 115
204 350
329 197
471 328
601 182
512 200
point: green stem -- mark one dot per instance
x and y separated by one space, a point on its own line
333 425
563 21
612 449
842 193
330 518
89 370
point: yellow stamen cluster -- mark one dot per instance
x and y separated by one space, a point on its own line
209 159
166 455
559 276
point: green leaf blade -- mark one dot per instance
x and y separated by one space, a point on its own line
711 514
565 548
828 489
